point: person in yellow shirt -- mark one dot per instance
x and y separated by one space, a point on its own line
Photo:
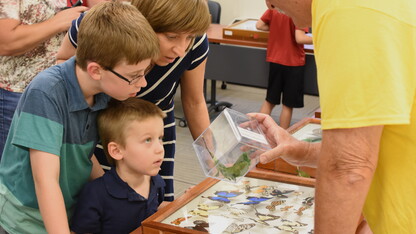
366 54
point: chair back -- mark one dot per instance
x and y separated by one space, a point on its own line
215 11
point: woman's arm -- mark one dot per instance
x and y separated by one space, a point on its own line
193 101
97 170
66 51
17 38
45 170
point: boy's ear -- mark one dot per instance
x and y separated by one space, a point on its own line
115 151
94 70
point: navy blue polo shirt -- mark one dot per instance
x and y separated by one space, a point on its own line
110 205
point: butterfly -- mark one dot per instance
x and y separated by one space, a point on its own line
262 218
287 229
298 193
278 193
179 220
301 209
207 207
286 208
272 206
236 228
308 201
255 200
222 196
200 225
199 212
261 189
237 212
293 223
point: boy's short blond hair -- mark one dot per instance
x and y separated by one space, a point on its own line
112 32
190 16
113 121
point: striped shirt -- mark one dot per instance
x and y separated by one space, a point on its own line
162 83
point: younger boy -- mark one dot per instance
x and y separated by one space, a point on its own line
131 132
287 59
49 151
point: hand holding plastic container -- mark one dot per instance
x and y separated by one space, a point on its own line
228 149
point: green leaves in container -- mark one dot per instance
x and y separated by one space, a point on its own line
240 167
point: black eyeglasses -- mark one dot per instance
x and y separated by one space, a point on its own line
134 80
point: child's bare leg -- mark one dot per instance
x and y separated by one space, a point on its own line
285 116
267 108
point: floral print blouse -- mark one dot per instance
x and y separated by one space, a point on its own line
16 72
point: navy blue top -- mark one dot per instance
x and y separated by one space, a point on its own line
162 83
110 205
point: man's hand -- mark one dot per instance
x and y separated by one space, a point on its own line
284 145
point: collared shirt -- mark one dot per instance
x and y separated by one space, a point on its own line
52 116
110 205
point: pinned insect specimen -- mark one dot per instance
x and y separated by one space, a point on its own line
281 194
286 208
200 225
277 203
287 229
301 209
237 212
207 207
255 200
293 223
308 201
261 190
180 220
202 213
272 206
222 196
262 218
234 228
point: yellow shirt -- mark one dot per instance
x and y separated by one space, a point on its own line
366 57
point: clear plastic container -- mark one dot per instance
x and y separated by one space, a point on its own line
228 149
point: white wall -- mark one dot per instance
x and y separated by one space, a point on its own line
241 9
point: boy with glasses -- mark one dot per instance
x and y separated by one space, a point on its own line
48 155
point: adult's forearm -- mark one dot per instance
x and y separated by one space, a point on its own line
346 167
197 118
23 38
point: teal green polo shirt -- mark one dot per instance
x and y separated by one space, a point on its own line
52 116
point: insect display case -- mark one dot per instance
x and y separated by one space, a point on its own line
308 129
245 30
262 202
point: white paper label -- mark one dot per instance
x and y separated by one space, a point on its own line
228 33
252 135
